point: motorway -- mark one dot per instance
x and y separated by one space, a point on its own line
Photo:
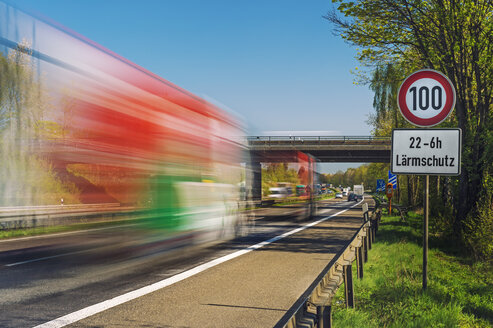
86 281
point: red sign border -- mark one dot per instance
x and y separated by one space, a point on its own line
449 92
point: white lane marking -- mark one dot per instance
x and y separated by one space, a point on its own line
105 305
44 258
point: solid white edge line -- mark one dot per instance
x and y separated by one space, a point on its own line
105 305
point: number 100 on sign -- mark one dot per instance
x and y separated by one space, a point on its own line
422 99
426 98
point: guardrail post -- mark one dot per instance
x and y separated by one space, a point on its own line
359 261
372 230
324 316
368 234
348 286
365 248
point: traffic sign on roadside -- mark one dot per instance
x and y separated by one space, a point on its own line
393 180
426 151
380 185
426 98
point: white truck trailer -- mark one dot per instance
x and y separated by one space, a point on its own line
358 191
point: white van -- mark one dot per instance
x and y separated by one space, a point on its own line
278 192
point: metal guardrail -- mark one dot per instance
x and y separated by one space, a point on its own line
23 217
313 308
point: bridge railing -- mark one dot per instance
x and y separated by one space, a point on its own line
319 139
313 308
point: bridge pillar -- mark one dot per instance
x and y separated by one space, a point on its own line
254 178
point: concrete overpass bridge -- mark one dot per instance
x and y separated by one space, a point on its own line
326 149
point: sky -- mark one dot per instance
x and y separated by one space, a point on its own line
276 64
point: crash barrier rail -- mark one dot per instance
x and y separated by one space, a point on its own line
29 217
24 217
401 209
313 308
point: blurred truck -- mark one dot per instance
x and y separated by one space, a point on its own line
358 192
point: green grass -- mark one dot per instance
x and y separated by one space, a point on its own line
17 233
297 200
459 293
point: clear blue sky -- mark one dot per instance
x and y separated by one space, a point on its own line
275 63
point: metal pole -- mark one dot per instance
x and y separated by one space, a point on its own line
365 243
425 233
324 316
359 260
348 286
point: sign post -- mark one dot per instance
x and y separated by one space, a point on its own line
388 191
426 98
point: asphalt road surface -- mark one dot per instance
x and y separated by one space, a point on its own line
228 284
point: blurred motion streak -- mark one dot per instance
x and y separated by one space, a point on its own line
81 125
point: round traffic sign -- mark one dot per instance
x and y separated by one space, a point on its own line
426 98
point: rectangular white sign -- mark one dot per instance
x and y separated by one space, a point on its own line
426 151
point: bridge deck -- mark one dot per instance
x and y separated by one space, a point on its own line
324 148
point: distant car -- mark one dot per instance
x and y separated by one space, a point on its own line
352 197
338 195
278 193
344 193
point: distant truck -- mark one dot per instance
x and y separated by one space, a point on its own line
358 191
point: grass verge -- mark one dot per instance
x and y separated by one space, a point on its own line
459 293
17 233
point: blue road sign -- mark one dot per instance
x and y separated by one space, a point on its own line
393 180
380 185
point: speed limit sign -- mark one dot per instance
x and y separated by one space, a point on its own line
426 98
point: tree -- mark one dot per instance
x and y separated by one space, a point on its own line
455 37
25 177
274 173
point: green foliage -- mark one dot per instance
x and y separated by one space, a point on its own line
28 180
274 173
390 294
455 37
25 178
365 174
478 231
